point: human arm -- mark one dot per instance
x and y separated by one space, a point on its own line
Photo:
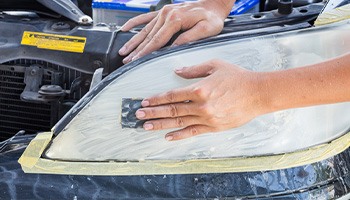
197 20
230 96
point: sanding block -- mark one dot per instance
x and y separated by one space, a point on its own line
128 113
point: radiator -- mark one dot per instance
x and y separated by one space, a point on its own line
15 114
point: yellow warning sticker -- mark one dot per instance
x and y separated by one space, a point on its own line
54 42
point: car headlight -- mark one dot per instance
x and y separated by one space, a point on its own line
95 132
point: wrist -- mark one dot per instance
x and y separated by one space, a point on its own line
266 102
220 7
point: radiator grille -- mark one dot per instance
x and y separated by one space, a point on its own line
16 115
68 74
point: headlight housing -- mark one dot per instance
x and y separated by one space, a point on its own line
91 131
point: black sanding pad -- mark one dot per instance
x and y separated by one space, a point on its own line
128 113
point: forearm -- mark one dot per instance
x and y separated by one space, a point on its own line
322 83
230 96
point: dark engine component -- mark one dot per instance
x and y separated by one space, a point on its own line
58 8
267 5
39 84
27 5
47 61
21 105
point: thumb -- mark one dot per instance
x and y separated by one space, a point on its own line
196 71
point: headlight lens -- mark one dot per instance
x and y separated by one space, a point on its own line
95 132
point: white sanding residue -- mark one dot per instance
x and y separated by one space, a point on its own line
96 133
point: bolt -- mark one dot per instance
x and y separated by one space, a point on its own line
113 25
33 72
74 11
285 7
97 64
85 20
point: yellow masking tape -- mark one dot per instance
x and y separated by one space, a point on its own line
31 155
263 163
335 15
54 42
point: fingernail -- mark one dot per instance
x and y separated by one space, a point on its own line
135 57
140 114
169 137
148 127
178 70
145 103
122 50
126 60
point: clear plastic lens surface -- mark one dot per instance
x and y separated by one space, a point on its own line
96 134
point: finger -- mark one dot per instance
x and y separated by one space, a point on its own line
149 33
159 38
154 37
141 19
137 39
199 31
128 58
187 132
172 96
167 123
172 25
197 71
166 111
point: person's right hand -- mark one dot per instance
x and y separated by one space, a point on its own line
229 96
197 20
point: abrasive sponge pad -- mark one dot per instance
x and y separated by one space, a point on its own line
128 113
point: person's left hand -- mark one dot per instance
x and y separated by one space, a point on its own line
228 97
197 20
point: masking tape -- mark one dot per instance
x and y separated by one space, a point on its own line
32 162
31 155
335 15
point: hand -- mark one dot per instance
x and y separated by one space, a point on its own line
197 20
228 97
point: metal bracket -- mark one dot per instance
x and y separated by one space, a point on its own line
33 77
68 9
96 78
